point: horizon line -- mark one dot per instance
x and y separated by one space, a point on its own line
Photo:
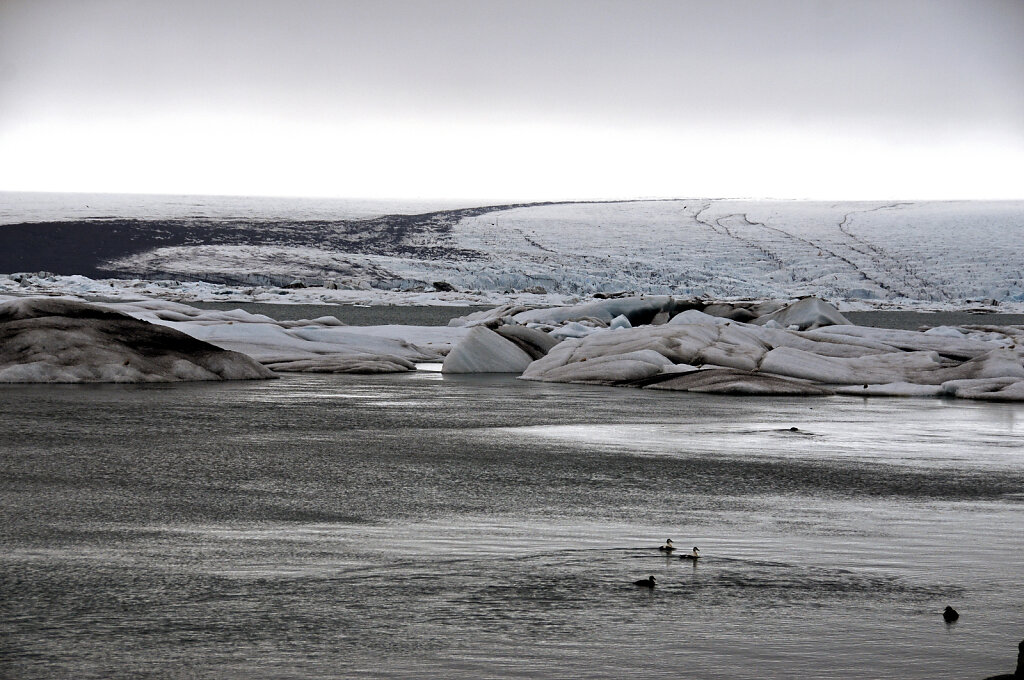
487 201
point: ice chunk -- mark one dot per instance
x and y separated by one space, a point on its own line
806 313
875 368
484 351
738 382
693 316
620 322
638 310
532 341
345 364
609 370
48 340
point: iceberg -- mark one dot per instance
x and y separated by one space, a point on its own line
637 310
66 341
807 313
764 358
484 351
320 345
737 382
605 342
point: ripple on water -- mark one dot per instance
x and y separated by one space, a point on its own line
400 527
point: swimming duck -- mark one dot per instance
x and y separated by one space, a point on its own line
668 547
645 582
950 615
695 555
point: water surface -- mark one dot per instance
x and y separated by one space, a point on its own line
418 525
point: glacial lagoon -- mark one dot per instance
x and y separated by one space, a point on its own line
416 525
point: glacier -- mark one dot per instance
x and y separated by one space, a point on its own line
855 255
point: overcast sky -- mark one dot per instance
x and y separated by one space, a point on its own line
515 100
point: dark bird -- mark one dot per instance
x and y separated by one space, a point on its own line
668 547
950 615
645 582
1019 673
695 555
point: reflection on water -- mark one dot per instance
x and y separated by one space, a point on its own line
417 525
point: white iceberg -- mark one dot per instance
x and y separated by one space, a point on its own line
484 351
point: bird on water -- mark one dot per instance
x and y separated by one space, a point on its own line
645 582
695 555
668 547
1019 672
950 615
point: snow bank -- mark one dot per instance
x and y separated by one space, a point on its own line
65 341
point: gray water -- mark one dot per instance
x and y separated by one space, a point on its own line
354 315
416 525
913 321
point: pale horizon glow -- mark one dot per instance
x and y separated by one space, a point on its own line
291 128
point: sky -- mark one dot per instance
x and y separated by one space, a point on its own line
515 100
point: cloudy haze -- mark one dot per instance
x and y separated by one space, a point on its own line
530 100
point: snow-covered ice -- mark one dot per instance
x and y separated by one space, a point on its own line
855 255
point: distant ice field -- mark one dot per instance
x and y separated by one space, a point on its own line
921 251
18 207
934 254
